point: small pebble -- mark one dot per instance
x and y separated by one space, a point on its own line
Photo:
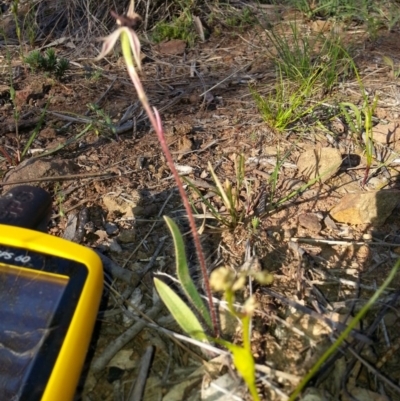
330 223
114 246
310 221
377 182
127 236
111 228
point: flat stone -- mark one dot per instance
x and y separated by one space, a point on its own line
366 207
111 228
32 169
310 221
319 162
330 223
114 246
388 134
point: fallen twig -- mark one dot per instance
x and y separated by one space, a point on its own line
68 177
137 389
102 360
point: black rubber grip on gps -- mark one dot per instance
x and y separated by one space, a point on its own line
26 206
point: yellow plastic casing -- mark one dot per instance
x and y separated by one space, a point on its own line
65 375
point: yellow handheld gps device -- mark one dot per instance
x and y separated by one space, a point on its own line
50 291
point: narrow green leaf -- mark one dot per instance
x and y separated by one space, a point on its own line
183 274
245 365
221 190
182 314
218 216
357 126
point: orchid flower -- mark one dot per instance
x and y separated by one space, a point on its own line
130 45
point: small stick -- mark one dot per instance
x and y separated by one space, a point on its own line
119 272
102 360
130 277
340 242
373 370
68 177
137 390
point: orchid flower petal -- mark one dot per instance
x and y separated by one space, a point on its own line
108 43
135 46
131 10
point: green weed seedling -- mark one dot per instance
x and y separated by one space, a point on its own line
94 75
340 9
301 58
241 19
60 199
179 28
35 132
390 15
255 223
14 11
360 123
286 104
229 194
394 70
49 62
30 26
102 118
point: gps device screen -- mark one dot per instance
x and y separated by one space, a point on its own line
38 298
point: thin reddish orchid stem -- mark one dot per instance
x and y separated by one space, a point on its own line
155 121
196 239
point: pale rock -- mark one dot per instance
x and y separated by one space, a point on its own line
222 390
124 360
172 47
128 207
316 394
33 169
330 223
366 207
319 162
387 133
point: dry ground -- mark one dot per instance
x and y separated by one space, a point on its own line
329 272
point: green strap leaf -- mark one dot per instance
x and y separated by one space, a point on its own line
245 365
186 319
182 271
